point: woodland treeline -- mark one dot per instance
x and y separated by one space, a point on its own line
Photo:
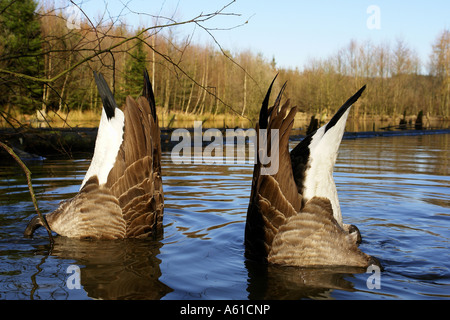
46 64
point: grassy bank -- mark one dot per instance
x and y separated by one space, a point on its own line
74 134
175 119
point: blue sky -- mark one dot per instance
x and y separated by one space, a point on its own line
294 31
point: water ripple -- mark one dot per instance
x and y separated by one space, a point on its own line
395 189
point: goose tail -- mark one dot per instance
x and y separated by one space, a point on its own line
109 136
109 103
148 93
344 108
313 159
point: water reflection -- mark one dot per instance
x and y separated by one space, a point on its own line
421 154
124 269
292 283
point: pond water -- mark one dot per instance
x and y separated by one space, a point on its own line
395 189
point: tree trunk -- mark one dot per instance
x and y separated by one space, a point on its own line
205 85
153 63
245 94
61 97
167 94
190 98
201 92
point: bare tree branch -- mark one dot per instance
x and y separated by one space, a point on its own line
30 186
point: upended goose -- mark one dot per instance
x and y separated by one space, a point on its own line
294 216
121 195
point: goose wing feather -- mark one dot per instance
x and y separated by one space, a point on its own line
135 178
273 197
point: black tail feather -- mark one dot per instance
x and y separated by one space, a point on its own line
344 108
148 93
109 104
280 94
263 114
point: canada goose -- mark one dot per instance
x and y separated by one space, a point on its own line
121 195
294 216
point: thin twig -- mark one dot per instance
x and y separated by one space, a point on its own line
99 51
30 187
197 20
176 66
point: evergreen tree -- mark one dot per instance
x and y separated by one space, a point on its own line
20 52
134 68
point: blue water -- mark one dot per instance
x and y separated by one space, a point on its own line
395 189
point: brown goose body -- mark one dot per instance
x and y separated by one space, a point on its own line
122 193
285 224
